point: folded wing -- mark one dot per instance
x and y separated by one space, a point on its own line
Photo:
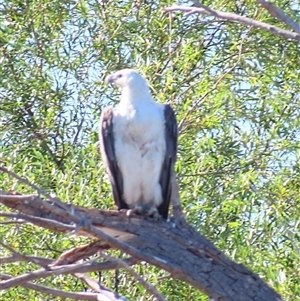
171 136
106 137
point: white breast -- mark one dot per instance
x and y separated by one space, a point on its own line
140 148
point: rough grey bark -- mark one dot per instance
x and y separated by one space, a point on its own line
173 246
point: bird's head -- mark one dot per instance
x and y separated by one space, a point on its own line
127 78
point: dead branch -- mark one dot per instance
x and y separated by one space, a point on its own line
151 288
172 246
58 293
107 294
199 8
279 14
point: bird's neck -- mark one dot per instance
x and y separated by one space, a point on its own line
135 96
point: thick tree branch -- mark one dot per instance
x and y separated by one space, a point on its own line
176 248
235 18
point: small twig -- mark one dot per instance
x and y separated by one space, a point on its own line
79 128
87 266
197 3
152 289
16 256
279 14
235 18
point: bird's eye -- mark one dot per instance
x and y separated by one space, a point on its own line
120 75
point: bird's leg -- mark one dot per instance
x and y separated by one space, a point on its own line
145 211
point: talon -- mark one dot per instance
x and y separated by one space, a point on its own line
129 212
144 211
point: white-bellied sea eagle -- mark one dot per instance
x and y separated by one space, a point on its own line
138 146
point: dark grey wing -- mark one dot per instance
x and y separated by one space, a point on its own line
106 137
171 136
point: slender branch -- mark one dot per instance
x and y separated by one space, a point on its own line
40 221
55 292
102 290
95 266
12 222
104 293
16 256
152 289
87 266
69 269
235 18
64 262
38 260
279 14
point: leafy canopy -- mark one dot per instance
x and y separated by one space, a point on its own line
236 94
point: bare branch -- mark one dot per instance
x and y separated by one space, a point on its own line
280 15
69 269
20 257
152 289
87 266
39 221
65 260
103 292
94 266
56 292
38 260
235 18
80 252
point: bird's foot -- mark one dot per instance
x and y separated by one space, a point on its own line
152 212
136 210
144 211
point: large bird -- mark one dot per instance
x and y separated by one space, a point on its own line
138 146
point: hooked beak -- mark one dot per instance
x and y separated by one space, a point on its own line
110 79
